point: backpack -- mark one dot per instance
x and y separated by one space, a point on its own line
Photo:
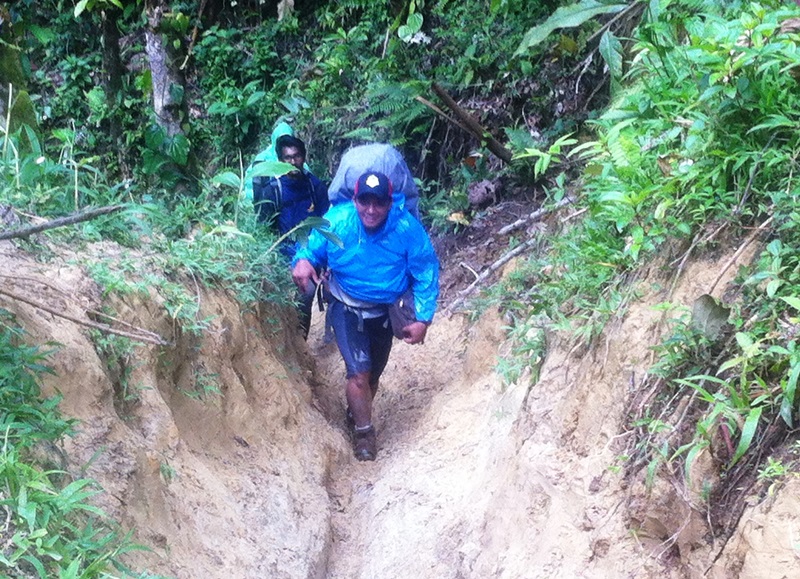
379 157
267 197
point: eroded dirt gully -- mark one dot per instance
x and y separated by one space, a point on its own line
474 479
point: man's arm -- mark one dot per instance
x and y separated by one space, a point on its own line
304 274
314 256
423 265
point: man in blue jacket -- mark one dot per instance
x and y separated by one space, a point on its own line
287 201
385 253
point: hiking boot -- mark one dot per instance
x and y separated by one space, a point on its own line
366 446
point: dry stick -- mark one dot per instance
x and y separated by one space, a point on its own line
698 240
60 222
535 216
574 215
473 126
472 271
739 252
102 327
194 35
440 112
424 152
606 26
70 297
488 271
748 189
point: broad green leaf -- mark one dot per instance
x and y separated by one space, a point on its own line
178 149
774 121
36 564
792 301
255 97
748 432
566 17
732 363
332 237
653 11
411 27
271 169
232 230
80 7
43 35
227 178
789 392
696 449
611 50
72 571
745 341
772 287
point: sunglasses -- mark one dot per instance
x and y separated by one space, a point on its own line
373 200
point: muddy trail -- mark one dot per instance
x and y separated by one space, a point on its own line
475 478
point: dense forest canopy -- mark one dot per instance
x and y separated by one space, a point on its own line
166 87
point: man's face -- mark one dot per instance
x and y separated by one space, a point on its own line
293 156
372 210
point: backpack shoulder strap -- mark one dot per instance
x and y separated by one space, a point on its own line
267 197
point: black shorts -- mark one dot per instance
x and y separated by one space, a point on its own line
365 350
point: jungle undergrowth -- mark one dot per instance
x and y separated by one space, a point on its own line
700 135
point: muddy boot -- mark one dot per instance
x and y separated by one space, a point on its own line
366 446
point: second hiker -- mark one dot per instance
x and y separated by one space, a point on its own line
287 201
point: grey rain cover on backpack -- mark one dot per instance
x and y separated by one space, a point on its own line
379 157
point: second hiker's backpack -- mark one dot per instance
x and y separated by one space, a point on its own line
378 157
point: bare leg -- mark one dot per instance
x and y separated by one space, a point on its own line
359 399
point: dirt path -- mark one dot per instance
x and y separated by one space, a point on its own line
472 479
438 411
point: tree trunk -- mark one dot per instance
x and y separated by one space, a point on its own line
13 92
112 83
168 81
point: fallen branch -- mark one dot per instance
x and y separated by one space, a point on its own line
101 327
738 253
535 216
194 35
85 215
71 297
441 113
505 258
472 125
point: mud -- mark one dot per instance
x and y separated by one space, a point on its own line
253 476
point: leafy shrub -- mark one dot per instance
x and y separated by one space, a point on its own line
51 528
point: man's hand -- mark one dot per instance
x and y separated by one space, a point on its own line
304 275
414 333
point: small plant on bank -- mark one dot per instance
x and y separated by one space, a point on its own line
51 528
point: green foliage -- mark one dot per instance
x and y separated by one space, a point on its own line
703 133
51 527
25 418
545 158
567 17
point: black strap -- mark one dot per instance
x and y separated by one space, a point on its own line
267 196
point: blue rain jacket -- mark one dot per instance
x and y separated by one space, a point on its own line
378 267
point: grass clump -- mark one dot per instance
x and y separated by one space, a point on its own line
51 528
